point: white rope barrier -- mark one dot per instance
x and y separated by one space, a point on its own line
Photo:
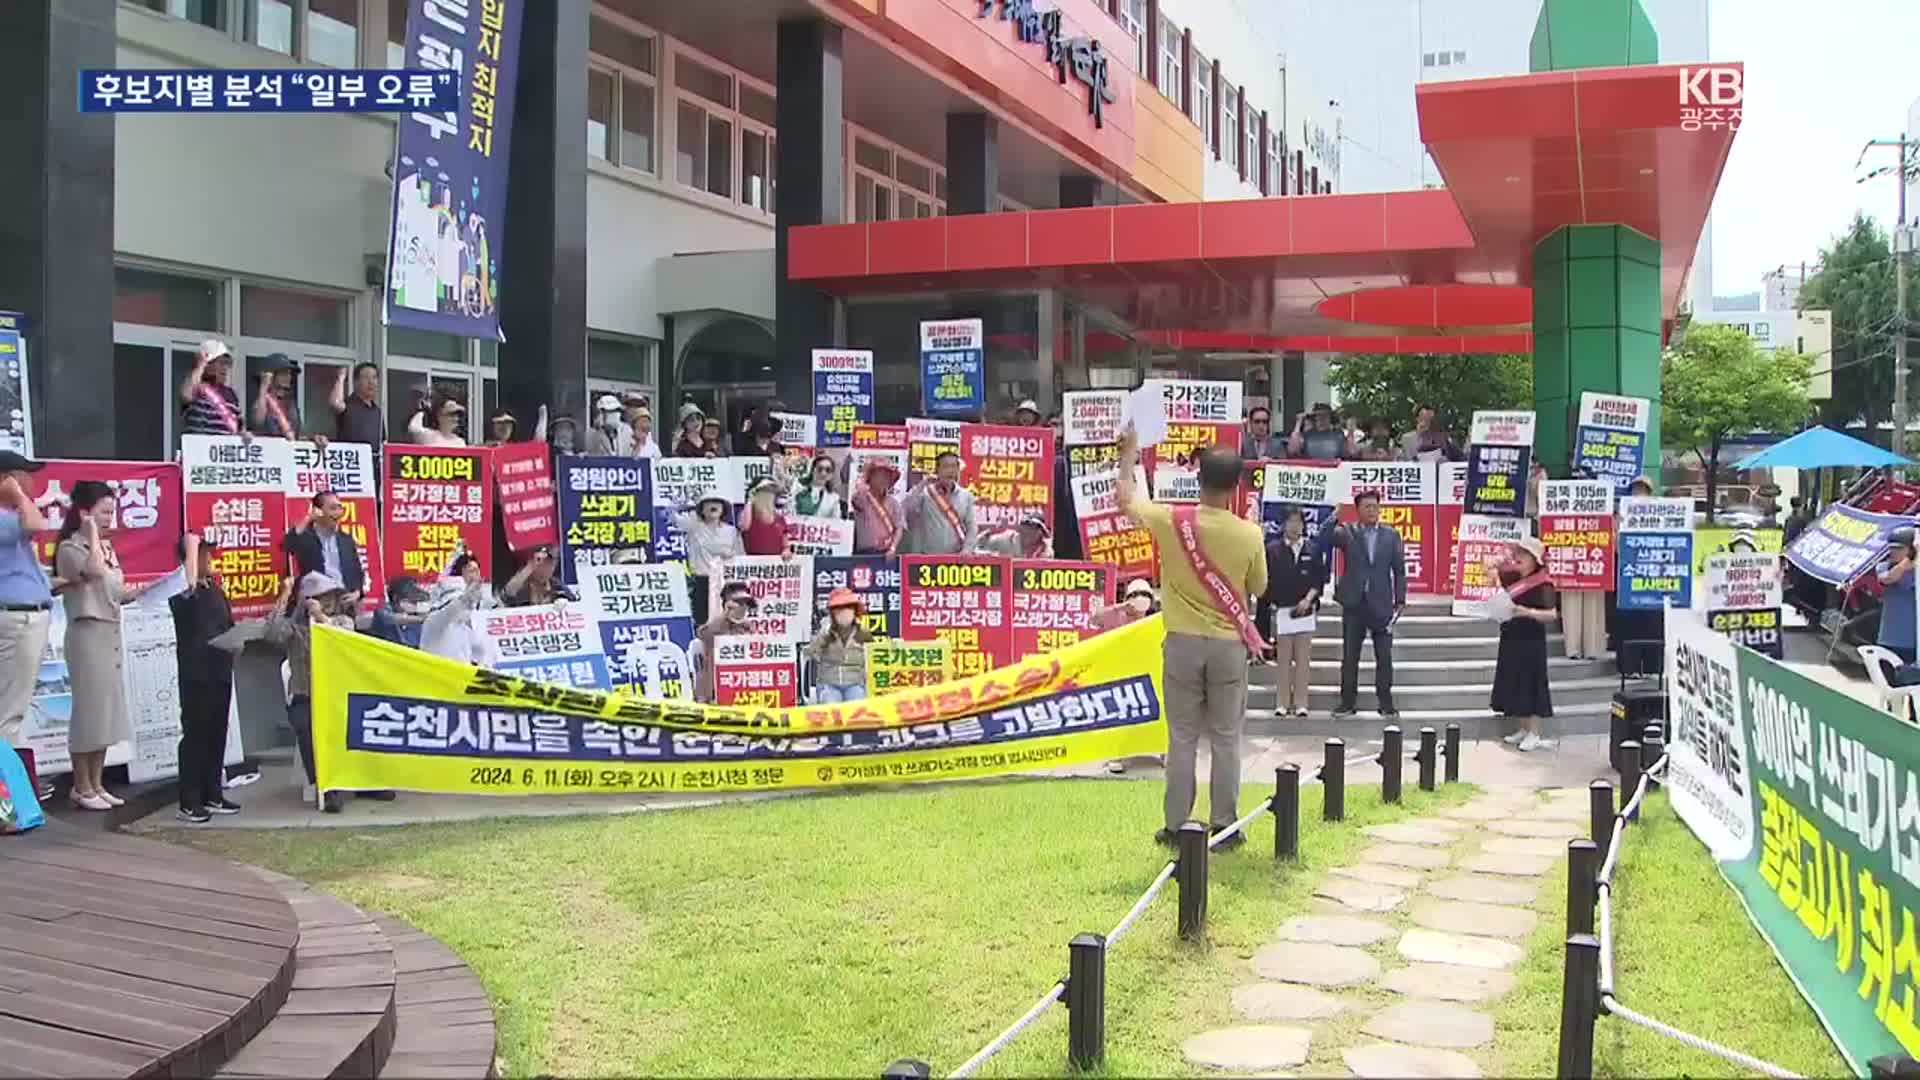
1140 906
1218 838
1745 1061
1001 1040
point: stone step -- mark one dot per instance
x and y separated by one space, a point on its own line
1324 694
1588 718
1433 624
1419 670
1464 647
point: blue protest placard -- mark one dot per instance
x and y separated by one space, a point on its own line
147 90
1610 440
842 393
953 368
1843 543
606 512
445 257
645 620
875 579
1497 480
1655 553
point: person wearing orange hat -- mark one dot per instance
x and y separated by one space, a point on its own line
839 651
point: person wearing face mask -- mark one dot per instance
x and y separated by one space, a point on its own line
764 532
939 513
839 651
400 619
1136 603
319 602
814 495
460 591
1526 608
737 605
534 585
711 541
610 437
1296 576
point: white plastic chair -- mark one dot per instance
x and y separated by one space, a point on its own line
1881 664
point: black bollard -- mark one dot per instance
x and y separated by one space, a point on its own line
1653 746
1453 753
1392 756
907 1069
1629 775
1191 875
1286 812
1086 1000
1579 1006
1427 762
1893 1067
1600 813
1583 870
1333 782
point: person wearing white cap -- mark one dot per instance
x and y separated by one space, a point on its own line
1027 413
319 601
1031 539
610 436
208 403
1520 690
711 541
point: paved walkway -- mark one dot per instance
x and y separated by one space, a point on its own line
1393 974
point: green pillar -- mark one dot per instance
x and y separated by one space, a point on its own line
1596 288
1596 327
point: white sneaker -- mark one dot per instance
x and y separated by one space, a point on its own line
1530 743
1543 743
309 795
1516 738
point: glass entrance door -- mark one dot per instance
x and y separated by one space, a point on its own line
732 404
413 386
148 367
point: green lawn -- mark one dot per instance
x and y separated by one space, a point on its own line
1686 955
826 935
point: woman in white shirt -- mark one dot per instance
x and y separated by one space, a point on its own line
446 413
711 541
461 591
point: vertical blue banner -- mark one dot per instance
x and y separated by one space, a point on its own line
953 368
875 579
1497 480
842 393
448 224
606 512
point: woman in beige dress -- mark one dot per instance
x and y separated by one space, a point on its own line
93 589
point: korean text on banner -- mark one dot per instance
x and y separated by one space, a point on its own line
1741 594
878 442
1406 490
1316 490
1010 472
893 666
1806 796
819 536
1576 527
551 644
606 512
1501 428
875 579
1482 546
953 368
842 393
448 225
16 411
1054 603
678 483
1107 534
962 600
798 430
927 440
645 620
1610 439
150 671
1094 417
236 493
528 511
1500 451
345 470
1196 401
1185 440
783 589
147 521
1099 457
1447 511
1655 553
437 499
388 717
758 671
1844 543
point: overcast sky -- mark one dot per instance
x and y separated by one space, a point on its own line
1822 79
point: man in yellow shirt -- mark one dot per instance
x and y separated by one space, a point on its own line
1212 561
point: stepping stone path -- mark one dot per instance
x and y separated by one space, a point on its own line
1414 940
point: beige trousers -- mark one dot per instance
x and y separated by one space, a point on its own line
1294 652
1583 614
1204 682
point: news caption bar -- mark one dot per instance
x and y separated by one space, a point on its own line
269 90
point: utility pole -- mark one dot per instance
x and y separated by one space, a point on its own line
1902 251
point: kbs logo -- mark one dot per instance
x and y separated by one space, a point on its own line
1711 98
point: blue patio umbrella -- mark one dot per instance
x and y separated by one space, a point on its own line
1821 448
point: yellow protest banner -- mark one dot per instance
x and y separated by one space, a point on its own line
894 665
389 717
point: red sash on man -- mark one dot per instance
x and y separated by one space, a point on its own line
219 400
947 511
280 415
1227 598
886 517
1527 584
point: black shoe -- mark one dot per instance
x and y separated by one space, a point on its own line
1345 712
192 816
1389 713
1231 842
332 801
222 806
376 796
1164 837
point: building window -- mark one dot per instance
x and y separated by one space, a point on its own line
626 360
622 93
211 14
723 131
295 316
1276 164
1170 73
1230 126
1459 56
1133 19
1426 60
325 32
152 298
1203 97
333 32
1253 150
890 183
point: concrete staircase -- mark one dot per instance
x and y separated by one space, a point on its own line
1442 673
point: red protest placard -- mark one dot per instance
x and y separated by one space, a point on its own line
1107 535
346 470
236 494
529 512
1010 472
757 671
1452 504
436 499
1054 602
147 520
1483 546
1576 527
962 600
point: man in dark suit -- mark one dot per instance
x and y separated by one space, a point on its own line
322 546
1372 592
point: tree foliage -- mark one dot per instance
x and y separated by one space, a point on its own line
1390 387
1856 283
1717 384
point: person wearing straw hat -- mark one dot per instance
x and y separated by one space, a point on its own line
711 541
1520 690
839 651
1031 539
1027 414
317 601
877 514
